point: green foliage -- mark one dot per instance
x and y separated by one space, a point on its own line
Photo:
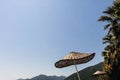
111 52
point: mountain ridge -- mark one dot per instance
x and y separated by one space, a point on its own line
85 74
45 77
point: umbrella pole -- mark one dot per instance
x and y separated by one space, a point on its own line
77 71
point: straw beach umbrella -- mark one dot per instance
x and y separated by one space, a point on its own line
74 58
98 73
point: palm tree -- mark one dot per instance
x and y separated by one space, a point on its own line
111 52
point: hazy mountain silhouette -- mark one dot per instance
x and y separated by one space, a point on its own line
85 74
45 77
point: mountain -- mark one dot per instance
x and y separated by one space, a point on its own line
21 79
86 74
45 77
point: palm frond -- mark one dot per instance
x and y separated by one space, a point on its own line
105 18
106 26
104 53
108 47
108 37
114 22
109 11
110 30
116 4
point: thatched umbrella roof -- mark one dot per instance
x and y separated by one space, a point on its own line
97 73
74 58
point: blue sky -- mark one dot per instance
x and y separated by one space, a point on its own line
34 34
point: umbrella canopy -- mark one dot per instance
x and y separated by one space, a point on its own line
74 58
97 73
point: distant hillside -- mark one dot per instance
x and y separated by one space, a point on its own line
86 74
44 77
21 79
